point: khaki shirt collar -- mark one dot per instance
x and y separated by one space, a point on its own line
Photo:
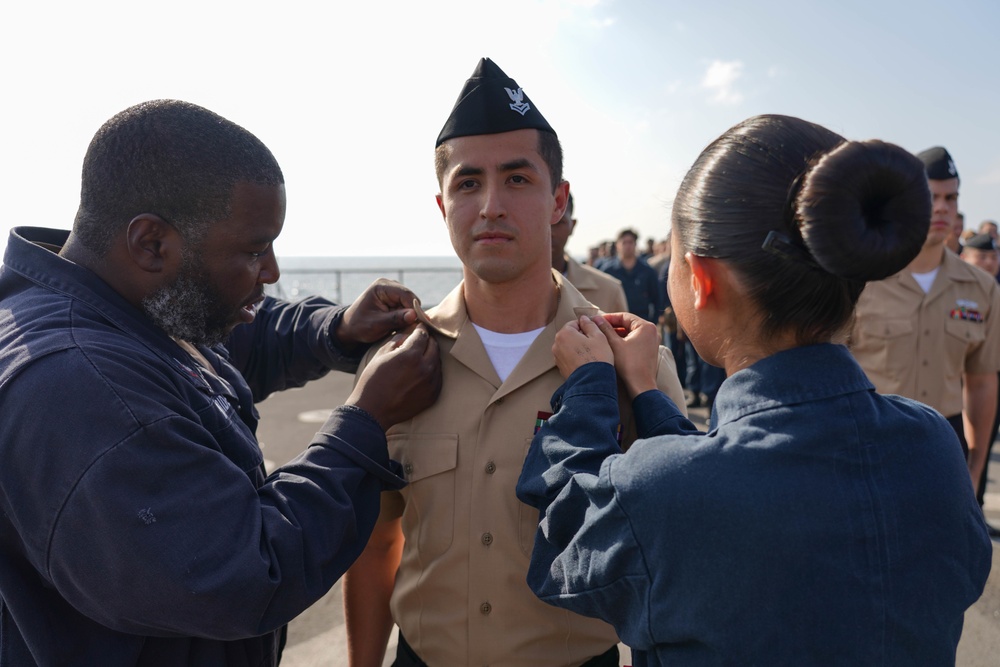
451 319
577 276
950 270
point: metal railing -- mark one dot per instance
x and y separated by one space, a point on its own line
294 276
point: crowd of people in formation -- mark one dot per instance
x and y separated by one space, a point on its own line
513 479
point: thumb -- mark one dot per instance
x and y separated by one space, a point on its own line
614 340
417 337
590 325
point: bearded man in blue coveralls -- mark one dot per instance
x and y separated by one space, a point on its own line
137 525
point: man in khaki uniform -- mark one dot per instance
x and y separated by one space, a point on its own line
930 332
597 287
450 554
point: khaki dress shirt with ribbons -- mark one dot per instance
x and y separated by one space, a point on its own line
919 345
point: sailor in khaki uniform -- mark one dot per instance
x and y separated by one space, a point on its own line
599 288
930 332
452 549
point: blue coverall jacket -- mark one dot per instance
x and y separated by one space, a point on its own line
817 523
137 526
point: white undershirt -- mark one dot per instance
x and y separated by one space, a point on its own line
925 280
506 350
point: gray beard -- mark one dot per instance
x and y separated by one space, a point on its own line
188 309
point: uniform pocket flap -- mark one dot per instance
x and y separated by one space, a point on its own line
886 328
424 454
967 331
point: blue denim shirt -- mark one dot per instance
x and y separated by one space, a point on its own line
136 523
817 523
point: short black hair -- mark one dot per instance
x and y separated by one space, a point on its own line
548 147
174 159
804 217
628 231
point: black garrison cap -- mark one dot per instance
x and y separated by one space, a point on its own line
981 242
939 165
490 103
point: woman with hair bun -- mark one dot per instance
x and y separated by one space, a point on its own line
817 522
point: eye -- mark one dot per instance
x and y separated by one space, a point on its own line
518 179
467 184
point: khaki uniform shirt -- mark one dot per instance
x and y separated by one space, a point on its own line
597 287
460 595
918 345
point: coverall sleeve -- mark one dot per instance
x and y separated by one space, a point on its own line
586 557
288 344
166 526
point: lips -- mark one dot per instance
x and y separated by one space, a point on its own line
492 236
249 310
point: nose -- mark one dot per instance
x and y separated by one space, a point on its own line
939 205
269 271
493 206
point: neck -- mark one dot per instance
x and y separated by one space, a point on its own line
524 304
729 334
129 286
559 263
929 258
738 355
628 262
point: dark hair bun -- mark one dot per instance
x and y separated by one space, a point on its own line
864 209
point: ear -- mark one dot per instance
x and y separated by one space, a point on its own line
153 244
703 279
562 199
440 203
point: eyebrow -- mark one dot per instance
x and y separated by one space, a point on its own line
520 163
469 171
259 240
513 165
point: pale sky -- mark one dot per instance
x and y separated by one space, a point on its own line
350 96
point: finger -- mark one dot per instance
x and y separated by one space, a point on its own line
392 295
611 333
589 327
393 320
616 319
636 322
431 350
641 328
415 340
572 325
394 342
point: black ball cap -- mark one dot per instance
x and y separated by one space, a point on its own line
490 103
938 163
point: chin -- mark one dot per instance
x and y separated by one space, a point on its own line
495 271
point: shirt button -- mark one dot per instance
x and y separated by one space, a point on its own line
491 468
408 468
485 608
927 332
487 539
925 362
